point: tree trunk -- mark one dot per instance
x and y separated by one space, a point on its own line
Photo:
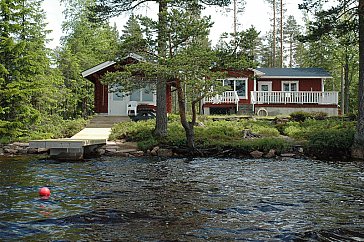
274 33
346 87
188 127
161 117
290 51
281 34
358 147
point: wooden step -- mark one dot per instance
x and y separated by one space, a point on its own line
106 121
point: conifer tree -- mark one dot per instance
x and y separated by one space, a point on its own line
109 8
26 80
86 44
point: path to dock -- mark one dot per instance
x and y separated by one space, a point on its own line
100 127
96 134
93 133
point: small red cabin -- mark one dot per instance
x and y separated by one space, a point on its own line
109 101
274 91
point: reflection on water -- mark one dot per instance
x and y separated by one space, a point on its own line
182 200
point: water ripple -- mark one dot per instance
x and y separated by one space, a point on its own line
143 199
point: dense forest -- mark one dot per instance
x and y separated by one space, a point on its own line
42 88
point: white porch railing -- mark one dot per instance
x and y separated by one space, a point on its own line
226 97
278 97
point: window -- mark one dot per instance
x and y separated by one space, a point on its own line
147 94
239 85
142 95
229 83
290 86
264 86
117 95
135 95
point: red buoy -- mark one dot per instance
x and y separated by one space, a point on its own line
44 192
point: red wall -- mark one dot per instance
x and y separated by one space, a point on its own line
304 84
101 98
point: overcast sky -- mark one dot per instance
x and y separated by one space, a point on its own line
256 13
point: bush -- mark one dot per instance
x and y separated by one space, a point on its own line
263 144
47 127
299 116
71 127
319 115
296 132
133 131
327 136
266 131
330 143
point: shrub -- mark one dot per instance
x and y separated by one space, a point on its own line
72 127
296 132
176 135
147 144
266 131
133 131
299 116
262 144
319 115
52 126
327 143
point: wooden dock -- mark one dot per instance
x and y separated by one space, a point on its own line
69 149
83 144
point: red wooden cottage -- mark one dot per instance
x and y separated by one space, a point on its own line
274 91
109 101
261 91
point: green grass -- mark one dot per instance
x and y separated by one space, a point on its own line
322 137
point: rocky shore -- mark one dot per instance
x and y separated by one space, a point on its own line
122 148
18 148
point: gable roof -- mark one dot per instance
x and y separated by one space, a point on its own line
312 72
107 64
97 68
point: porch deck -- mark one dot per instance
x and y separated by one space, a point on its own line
298 97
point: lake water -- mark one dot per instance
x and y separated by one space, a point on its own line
142 199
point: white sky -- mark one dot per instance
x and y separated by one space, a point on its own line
257 13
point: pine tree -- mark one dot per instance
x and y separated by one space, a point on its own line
108 8
86 44
291 31
132 40
25 74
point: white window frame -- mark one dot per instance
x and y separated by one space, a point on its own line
140 92
290 82
265 83
238 79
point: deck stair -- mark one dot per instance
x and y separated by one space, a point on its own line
246 109
104 121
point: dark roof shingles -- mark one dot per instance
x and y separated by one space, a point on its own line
295 72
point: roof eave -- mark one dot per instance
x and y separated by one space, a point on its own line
256 72
97 68
106 64
298 77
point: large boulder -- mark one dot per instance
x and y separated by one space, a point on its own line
256 154
165 153
154 151
270 154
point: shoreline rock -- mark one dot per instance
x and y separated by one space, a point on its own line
122 148
18 148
